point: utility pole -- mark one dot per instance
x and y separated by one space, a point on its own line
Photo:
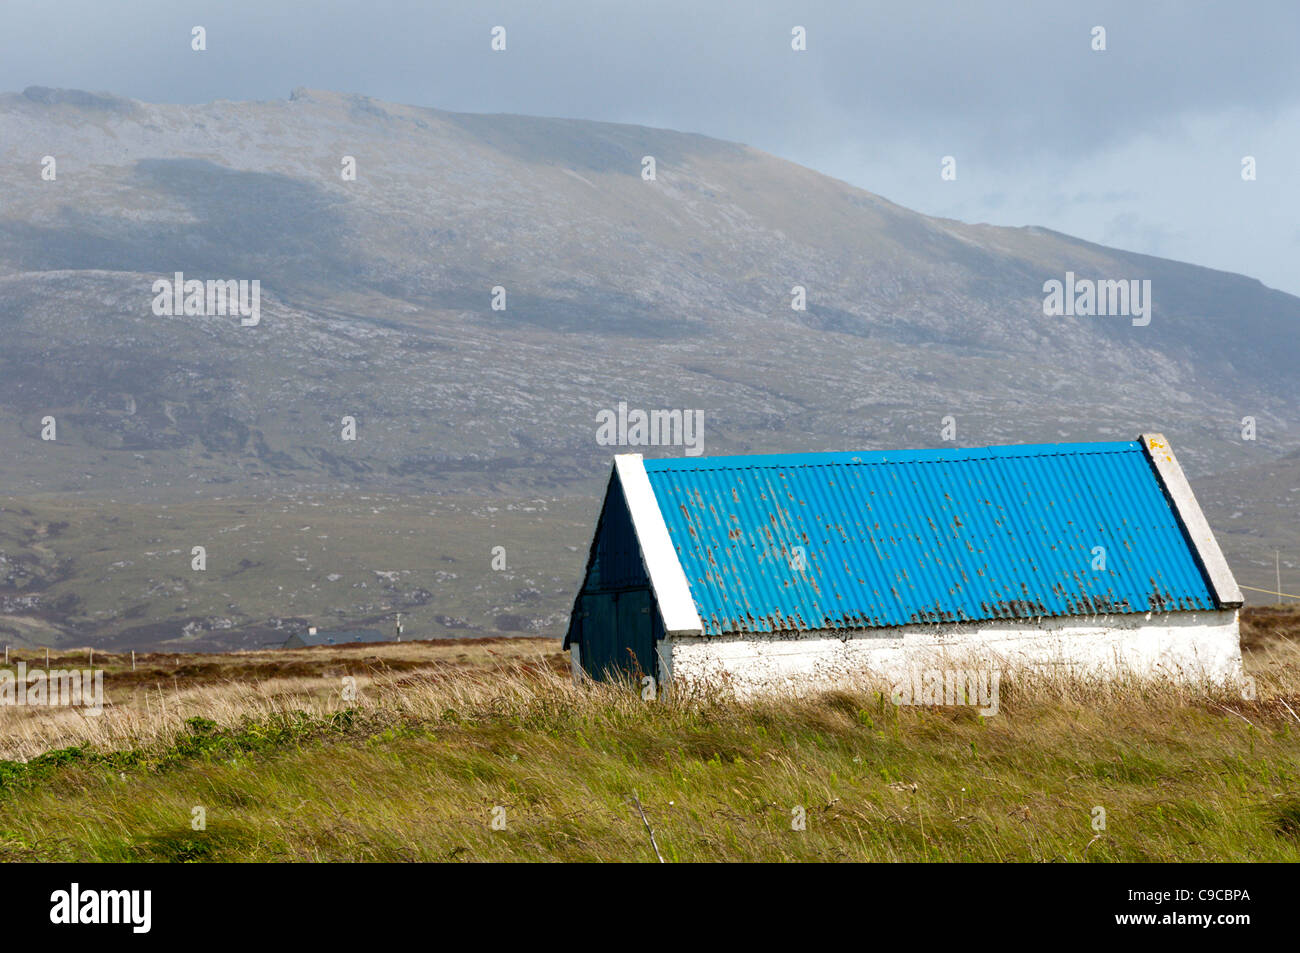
399 624
1277 569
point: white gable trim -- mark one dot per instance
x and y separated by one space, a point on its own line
1189 512
672 592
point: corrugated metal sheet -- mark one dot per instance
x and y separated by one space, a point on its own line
893 538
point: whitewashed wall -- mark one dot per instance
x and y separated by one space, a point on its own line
1190 646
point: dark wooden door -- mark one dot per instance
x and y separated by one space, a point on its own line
618 634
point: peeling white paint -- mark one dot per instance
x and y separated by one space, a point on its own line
1181 646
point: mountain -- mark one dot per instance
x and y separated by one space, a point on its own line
376 304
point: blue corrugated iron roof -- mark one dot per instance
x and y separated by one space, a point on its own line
899 537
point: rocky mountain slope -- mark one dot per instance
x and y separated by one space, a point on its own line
376 304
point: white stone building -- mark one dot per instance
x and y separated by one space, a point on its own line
809 570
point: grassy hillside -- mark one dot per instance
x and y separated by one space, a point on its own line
441 735
118 575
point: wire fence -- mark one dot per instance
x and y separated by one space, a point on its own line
1277 576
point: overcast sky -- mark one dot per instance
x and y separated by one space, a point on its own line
1139 146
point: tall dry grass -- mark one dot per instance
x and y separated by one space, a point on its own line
524 676
425 755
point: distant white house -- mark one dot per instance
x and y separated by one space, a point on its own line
809 569
313 636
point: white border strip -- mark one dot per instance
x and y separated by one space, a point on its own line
672 592
1189 511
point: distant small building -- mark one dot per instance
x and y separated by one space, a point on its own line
302 640
770 571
